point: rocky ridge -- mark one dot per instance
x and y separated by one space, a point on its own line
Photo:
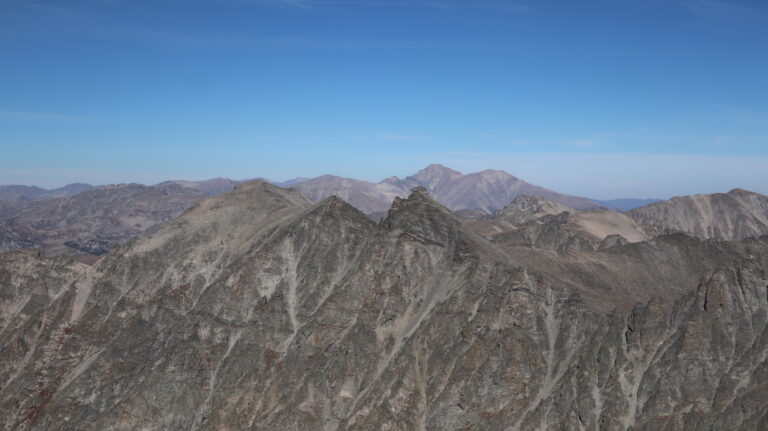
86 222
17 193
258 309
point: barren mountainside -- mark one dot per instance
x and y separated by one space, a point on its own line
488 190
92 221
538 222
737 214
210 187
258 309
88 223
15 193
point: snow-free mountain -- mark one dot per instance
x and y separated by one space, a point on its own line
86 221
487 190
258 309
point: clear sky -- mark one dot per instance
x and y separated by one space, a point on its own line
603 98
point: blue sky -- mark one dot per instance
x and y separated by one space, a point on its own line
603 98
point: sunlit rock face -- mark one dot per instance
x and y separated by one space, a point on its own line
737 214
259 309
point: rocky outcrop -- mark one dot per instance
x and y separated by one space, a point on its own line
257 309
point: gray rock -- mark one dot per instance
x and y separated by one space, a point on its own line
257 309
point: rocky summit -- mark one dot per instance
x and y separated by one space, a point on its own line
259 309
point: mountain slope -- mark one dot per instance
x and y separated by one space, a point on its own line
537 221
92 221
210 187
737 214
257 309
488 190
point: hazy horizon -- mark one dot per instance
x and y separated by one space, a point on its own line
604 98
560 188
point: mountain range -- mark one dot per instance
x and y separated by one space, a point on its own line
87 221
15 193
260 309
488 190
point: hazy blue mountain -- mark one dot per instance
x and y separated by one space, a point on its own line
488 190
19 193
210 187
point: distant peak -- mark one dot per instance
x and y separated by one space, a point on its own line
255 193
328 177
435 174
256 185
438 168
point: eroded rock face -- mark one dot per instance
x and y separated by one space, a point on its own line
258 309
